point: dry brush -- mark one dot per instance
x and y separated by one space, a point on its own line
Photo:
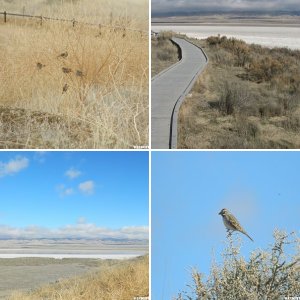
75 87
267 274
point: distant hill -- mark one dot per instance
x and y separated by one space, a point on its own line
104 241
247 14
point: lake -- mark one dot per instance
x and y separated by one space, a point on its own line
269 36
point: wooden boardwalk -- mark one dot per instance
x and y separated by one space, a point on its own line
169 88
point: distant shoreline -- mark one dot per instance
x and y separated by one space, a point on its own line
228 20
245 24
74 256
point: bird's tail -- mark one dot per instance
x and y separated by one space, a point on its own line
245 233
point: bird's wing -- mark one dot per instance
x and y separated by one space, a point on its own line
235 222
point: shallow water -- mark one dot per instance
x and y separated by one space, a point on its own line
263 35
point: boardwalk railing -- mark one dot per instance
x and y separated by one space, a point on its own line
73 21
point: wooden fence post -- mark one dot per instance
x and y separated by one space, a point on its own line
41 20
5 17
74 22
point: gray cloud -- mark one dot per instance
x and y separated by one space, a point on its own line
189 6
81 229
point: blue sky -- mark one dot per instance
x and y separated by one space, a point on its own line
190 188
97 194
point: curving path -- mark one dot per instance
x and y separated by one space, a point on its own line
169 89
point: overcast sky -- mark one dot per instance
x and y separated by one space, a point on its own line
190 6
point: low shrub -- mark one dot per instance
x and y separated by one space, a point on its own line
267 274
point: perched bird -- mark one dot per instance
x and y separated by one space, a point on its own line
231 223
63 55
40 65
65 88
66 70
79 73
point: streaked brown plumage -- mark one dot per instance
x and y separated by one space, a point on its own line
40 65
65 88
231 223
63 55
79 73
66 70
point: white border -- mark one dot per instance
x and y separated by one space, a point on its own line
150 163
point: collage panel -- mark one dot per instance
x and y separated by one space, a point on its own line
225 74
130 103
225 225
74 74
74 225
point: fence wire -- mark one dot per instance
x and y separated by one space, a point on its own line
74 22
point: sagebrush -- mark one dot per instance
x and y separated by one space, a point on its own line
248 97
267 274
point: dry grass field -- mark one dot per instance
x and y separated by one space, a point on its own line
123 280
248 97
74 87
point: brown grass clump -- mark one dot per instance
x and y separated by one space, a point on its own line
248 97
94 80
270 274
164 53
123 281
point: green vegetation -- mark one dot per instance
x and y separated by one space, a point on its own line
248 97
270 274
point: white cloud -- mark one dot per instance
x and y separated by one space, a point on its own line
87 187
64 191
73 173
13 166
40 156
81 229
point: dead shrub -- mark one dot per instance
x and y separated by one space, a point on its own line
265 69
238 48
233 98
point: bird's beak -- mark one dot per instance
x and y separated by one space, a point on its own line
220 212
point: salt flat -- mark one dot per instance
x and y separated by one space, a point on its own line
28 264
23 274
269 36
65 248
66 255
